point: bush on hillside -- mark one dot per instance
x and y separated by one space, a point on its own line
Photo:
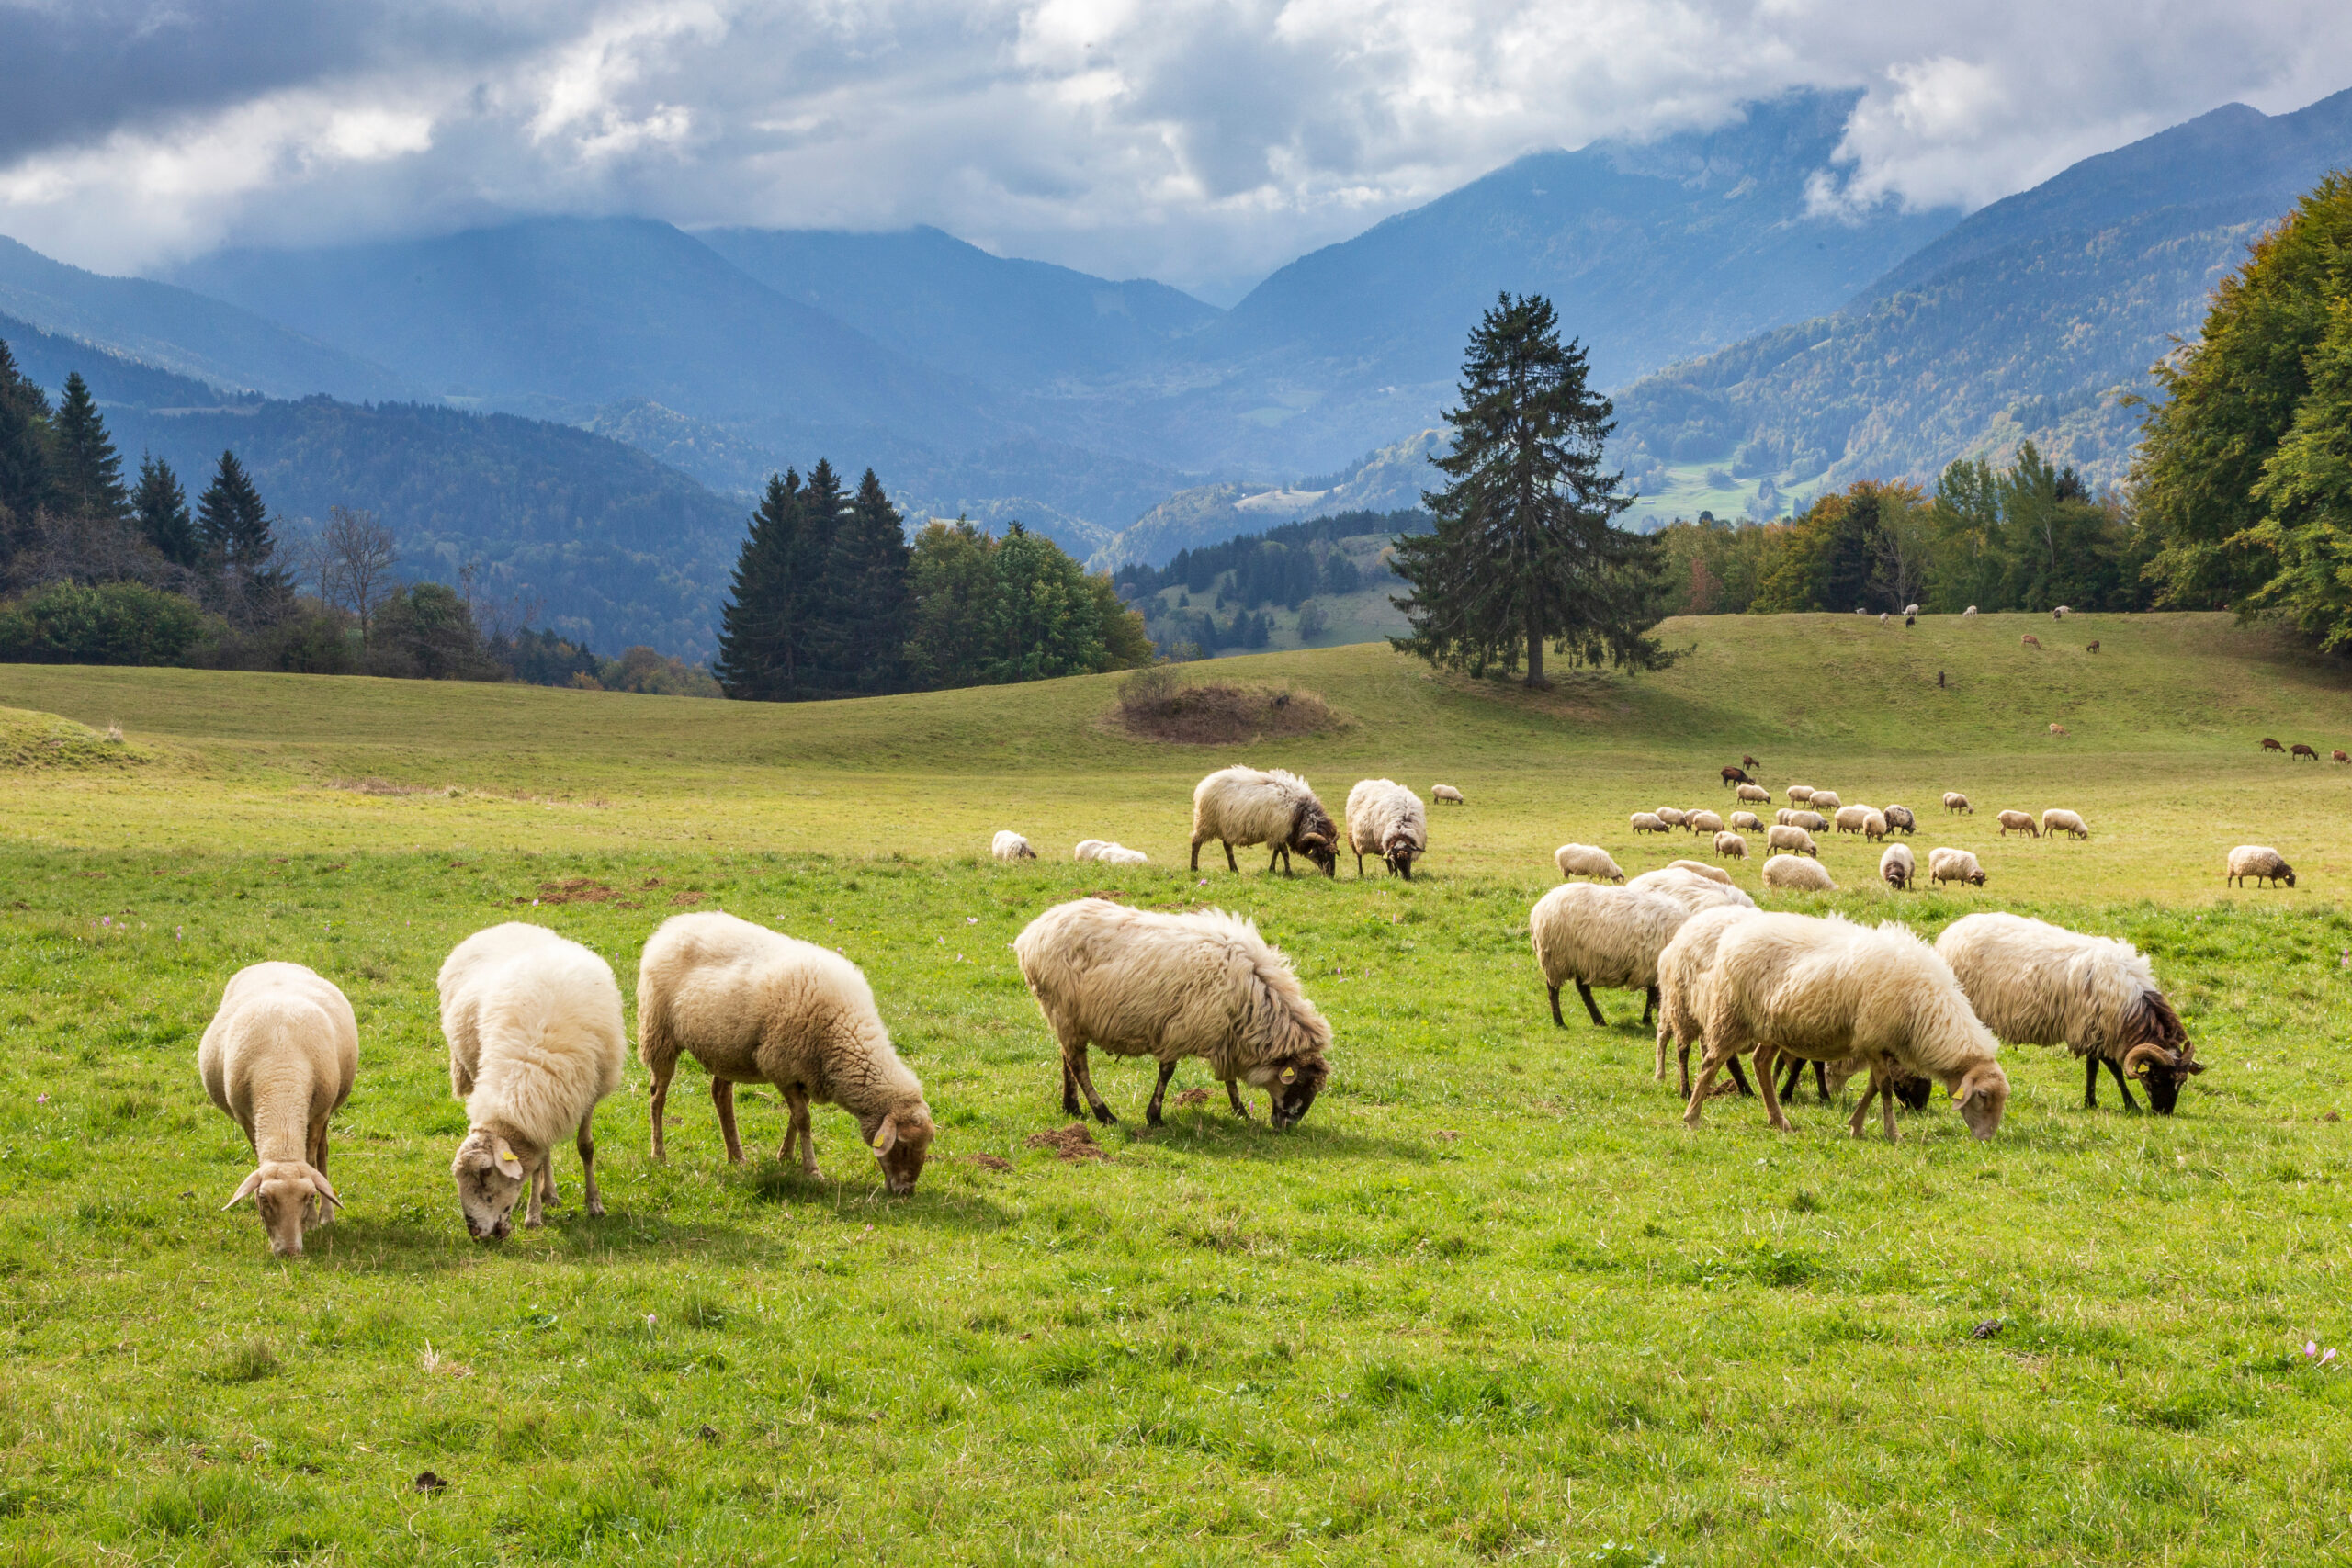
1158 703
113 623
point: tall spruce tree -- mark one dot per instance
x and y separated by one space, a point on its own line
1524 553
161 507
241 547
87 470
817 608
27 485
868 567
754 660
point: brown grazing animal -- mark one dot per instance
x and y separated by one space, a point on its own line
2060 729
1749 763
2300 749
2270 745
2031 640
2092 647
1735 776
2341 757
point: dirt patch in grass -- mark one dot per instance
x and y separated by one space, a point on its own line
387 786
1071 1143
1158 703
581 890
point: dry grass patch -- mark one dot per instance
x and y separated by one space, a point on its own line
1158 703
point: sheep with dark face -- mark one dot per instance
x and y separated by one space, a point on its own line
1385 818
1250 806
1899 817
2036 984
2261 862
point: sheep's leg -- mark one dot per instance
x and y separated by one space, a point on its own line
1358 864
1862 1111
1159 1091
1766 1057
2090 1083
1739 1079
1886 1110
798 1126
1230 863
2122 1087
1649 1006
536 1215
1197 855
1557 1020
1686 1072
317 1210
1658 1076
1821 1080
586 1144
722 1095
658 1093
1590 1006
1233 1093
1069 1089
1076 1059
1794 1080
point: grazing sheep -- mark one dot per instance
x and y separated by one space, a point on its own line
1750 763
1693 886
1745 822
2091 646
755 1005
1447 791
1683 967
1954 866
1009 846
1826 990
1792 874
1584 860
1874 826
2031 640
2018 822
1648 822
2059 614
1119 855
1139 982
1089 848
1910 609
1755 793
1900 818
533 1026
1800 793
1731 846
1811 821
2036 984
1826 801
1733 776
1602 936
1969 613
1883 617
2259 862
1791 839
1852 818
2054 822
1896 868
2060 729
278 1059
1247 806
2300 749
1670 816
2270 745
1385 818
1955 801
1703 822
2340 757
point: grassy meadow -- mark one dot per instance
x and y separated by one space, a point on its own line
1489 1303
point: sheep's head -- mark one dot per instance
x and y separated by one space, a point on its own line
489 1177
1291 1084
1399 854
1982 1094
290 1196
1023 851
2287 875
1322 848
1976 879
2161 1055
900 1145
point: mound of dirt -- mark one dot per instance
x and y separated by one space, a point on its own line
1071 1143
1159 704
580 890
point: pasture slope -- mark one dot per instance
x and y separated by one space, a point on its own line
1489 1302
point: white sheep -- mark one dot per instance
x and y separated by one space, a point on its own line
1955 801
1702 822
2261 862
1825 801
2036 984
755 1005
2018 822
1671 816
1800 793
1089 848
1874 826
1946 864
1852 818
1896 867
1586 859
1697 868
1119 855
1011 846
1250 806
1790 840
1826 990
1385 818
1648 822
1811 821
1969 613
1900 817
278 1059
1731 846
1794 874
2055 821
1447 791
1745 822
1683 967
1138 983
1910 609
533 1026
1692 886
1592 936
1749 792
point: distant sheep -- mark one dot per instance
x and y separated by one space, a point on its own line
1900 819
1731 846
2031 640
1589 935
1910 609
1825 801
533 1026
1755 793
755 1005
1800 793
1874 826
2261 862
1668 815
1852 818
2036 984
1792 874
1089 848
1648 822
2340 757
1447 791
1249 805
1140 983
2270 745
1896 868
2300 749
1791 840
278 1059
2055 821
2060 729
1954 866
1969 613
1119 855
1811 821
1585 860
1385 818
1955 801
1694 885
1012 846
2091 646
2018 822
1703 822
2061 612
1744 822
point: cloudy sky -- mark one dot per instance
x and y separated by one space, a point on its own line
1200 141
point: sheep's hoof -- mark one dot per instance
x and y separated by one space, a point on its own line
596 1209
1102 1114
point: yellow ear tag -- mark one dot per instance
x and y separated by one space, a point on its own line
510 1165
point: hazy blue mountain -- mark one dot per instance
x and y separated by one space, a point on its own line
1020 324
187 333
114 380
1388 480
2029 320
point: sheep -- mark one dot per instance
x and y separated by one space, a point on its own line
1883 617
2036 984
1896 868
2298 749
1852 818
1825 801
1811 821
1750 763
1585 860
1910 609
1968 613
1119 855
1731 846
2091 646
1696 868
533 1026
1800 793
2259 862
1385 818
1900 818
1648 822
2018 822
1793 840
2060 729
1703 822
1874 826
1683 967
1792 874
2060 614
2340 757
1954 866
1955 801
1246 806
1091 849
1735 776
2055 821
1603 936
1139 982
1758 793
278 1059
1693 886
1670 816
1744 822
1011 846
2270 745
1826 990
1447 791
755 1005
2030 640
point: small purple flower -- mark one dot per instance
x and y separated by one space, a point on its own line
41 1100
106 919
971 920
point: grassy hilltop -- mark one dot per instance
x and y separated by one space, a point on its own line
1489 1302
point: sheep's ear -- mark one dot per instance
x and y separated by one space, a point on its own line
244 1191
325 1188
887 1138
508 1164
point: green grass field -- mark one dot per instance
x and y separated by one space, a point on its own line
1489 1303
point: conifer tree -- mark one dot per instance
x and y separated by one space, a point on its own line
87 470
814 636
25 484
754 634
161 507
238 544
868 565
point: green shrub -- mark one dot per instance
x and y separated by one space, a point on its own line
114 622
